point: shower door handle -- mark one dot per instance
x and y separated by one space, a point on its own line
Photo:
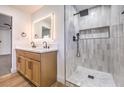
0 41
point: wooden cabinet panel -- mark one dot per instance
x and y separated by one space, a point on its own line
18 63
36 73
34 56
28 71
48 68
22 65
20 53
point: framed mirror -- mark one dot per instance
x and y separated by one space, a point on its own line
43 28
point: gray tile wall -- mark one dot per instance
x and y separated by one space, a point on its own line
98 16
105 55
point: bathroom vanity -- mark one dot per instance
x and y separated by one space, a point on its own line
38 66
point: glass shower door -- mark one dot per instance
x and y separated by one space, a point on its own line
5 44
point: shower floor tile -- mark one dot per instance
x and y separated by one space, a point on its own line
101 79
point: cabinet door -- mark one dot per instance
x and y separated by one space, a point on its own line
28 71
36 73
18 64
22 65
48 68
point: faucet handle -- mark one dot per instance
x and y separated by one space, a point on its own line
33 44
45 45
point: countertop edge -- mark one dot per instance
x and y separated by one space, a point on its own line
37 51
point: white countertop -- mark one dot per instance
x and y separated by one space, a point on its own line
38 49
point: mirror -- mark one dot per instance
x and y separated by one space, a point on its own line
43 28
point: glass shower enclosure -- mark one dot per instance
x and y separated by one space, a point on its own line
94 45
5 44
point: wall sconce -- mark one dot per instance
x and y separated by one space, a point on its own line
23 34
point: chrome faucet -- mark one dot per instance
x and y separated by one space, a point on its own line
45 45
33 44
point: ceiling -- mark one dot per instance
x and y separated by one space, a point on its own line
33 8
27 8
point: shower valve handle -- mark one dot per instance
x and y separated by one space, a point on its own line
74 38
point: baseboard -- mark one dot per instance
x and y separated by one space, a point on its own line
60 79
13 70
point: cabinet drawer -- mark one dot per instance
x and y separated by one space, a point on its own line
34 56
20 52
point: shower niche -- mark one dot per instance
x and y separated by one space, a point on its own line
95 33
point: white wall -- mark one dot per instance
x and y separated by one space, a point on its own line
21 23
59 33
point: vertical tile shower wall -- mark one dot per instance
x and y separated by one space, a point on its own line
105 55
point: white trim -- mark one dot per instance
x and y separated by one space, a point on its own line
60 79
13 70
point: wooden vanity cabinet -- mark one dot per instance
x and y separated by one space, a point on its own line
40 69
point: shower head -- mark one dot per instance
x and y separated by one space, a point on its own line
8 25
82 13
